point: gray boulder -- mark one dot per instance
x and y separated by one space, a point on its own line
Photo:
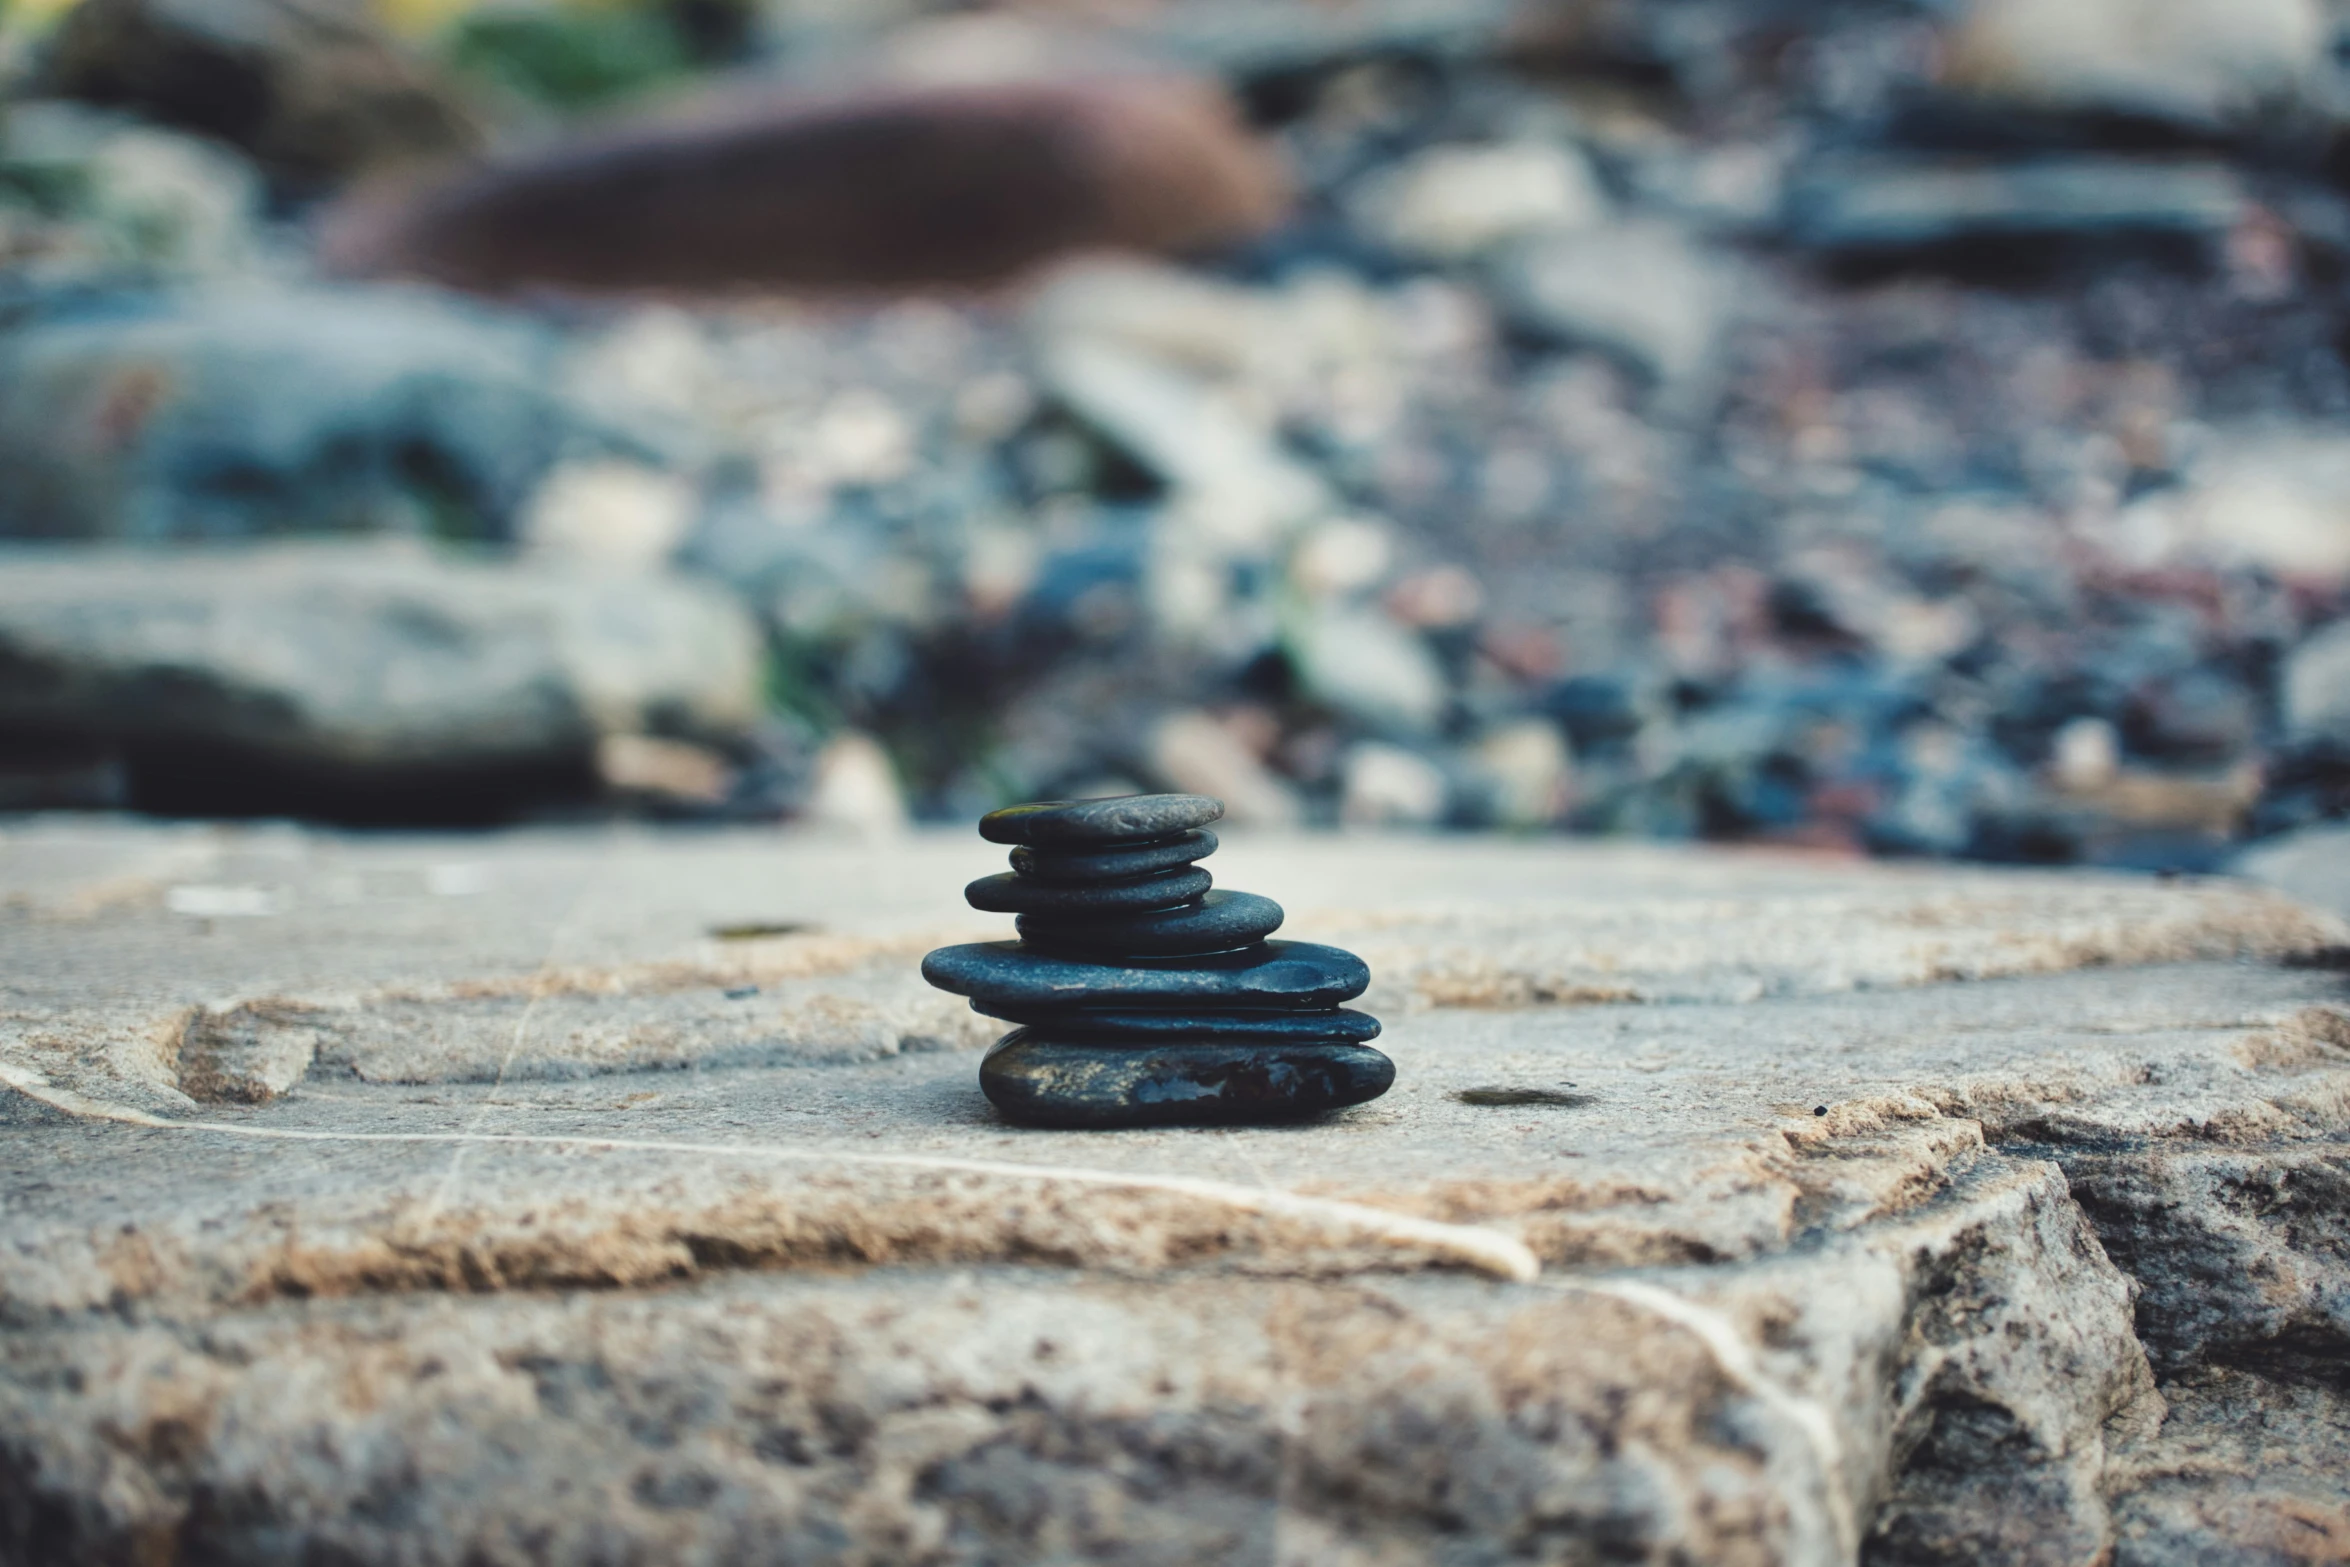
84 194
240 411
365 681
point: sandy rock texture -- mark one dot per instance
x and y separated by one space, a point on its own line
573 1196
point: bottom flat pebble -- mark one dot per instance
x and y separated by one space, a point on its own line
1073 1083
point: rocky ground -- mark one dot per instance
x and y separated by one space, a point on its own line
622 1195
1901 428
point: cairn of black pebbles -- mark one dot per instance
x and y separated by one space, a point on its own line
1144 998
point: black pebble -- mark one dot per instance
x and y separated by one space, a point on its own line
1287 974
1036 1078
1219 922
1113 864
1099 824
1006 893
1223 1023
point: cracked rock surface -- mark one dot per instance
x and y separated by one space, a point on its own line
569 1196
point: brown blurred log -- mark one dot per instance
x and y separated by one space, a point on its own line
885 186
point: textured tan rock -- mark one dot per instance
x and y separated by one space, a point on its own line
568 1197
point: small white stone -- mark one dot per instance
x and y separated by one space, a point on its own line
999 566
2085 756
856 788
1369 668
1210 445
1531 772
1176 317
862 438
608 514
1342 556
993 406
1196 754
1452 202
1388 786
1640 291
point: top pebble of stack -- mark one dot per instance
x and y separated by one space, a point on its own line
1086 824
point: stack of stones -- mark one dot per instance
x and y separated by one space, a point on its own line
1144 998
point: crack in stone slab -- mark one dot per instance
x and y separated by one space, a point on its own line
1486 1251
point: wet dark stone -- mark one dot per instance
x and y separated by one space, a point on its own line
1010 894
1219 922
1046 1080
1285 974
1144 1024
1149 999
1113 864
1099 824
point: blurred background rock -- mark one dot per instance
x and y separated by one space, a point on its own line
1890 426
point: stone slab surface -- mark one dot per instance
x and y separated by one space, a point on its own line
605 1197
2312 865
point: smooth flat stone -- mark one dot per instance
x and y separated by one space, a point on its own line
1006 893
1113 864
1191 1023
1219 922
1099 824
1277 974
1046 1081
